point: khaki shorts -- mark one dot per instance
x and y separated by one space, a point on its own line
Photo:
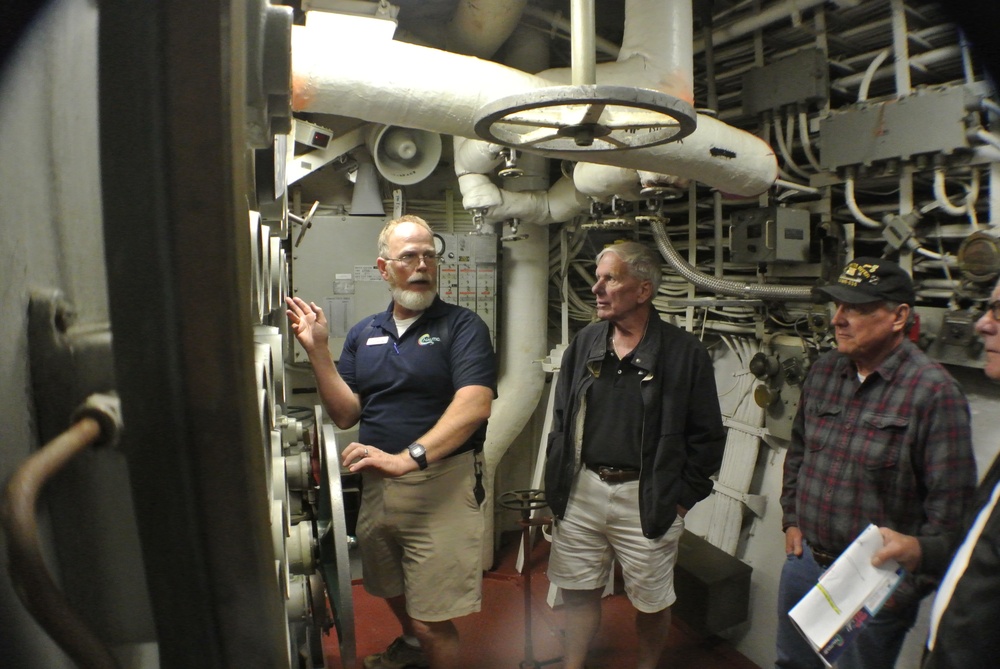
601 525
421 535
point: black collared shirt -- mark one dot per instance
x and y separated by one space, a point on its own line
612 427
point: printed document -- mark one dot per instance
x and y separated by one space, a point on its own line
847 595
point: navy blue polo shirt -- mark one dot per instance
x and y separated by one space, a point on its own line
406 383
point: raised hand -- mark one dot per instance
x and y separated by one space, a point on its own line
308 323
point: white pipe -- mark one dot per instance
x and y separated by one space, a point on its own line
480 28
941 197
988 137
403 84
735 163
900 48
921 60
772 14
656 51
474 157
791 185
560 203
602 181
944 202
866 81
562 23
582 33
804 139
852 204
525 268
785 144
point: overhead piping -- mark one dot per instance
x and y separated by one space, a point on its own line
402 85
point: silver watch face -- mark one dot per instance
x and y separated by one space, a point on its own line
417 451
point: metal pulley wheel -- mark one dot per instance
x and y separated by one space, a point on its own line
331 527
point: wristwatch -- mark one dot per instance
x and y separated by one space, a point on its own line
418 453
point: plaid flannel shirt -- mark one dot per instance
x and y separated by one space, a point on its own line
894 450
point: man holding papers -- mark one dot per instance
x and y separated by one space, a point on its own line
882 436
966 610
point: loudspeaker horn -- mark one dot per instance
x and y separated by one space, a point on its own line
405 156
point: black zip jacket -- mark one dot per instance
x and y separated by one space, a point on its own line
682 435
967 636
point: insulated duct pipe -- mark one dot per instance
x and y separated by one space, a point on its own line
656 51
401 84
603 181
723 286
525 264
474 158
560 203
668 58
523 347
475 29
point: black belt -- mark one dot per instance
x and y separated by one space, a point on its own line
822 557
614 474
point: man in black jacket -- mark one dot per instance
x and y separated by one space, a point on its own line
963 631
636 434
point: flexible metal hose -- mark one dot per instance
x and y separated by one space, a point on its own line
716 285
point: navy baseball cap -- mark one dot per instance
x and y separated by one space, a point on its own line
867 280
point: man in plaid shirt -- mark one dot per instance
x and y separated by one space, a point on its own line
883 436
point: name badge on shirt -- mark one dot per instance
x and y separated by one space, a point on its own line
376 341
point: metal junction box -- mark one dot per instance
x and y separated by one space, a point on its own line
926 122
771 234
803 77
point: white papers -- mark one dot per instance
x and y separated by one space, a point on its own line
848 593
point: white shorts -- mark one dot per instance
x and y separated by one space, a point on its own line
601 525
421 535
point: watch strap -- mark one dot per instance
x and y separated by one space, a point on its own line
418 453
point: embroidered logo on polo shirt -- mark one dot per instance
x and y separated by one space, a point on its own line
427 340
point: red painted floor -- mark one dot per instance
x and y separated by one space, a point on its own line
494 637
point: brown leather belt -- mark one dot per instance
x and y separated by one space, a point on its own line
614 474
822 557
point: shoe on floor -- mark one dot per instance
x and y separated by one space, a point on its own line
399 655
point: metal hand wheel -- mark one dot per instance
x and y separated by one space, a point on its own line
524 501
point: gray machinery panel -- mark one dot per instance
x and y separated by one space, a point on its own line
770 234
927 122
334 267
803 77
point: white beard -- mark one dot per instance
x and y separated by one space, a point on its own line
413 300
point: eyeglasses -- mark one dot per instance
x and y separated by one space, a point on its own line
413 259
994 309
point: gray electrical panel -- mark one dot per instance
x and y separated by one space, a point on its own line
468 274
335 267
930 121
803 77
771 234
